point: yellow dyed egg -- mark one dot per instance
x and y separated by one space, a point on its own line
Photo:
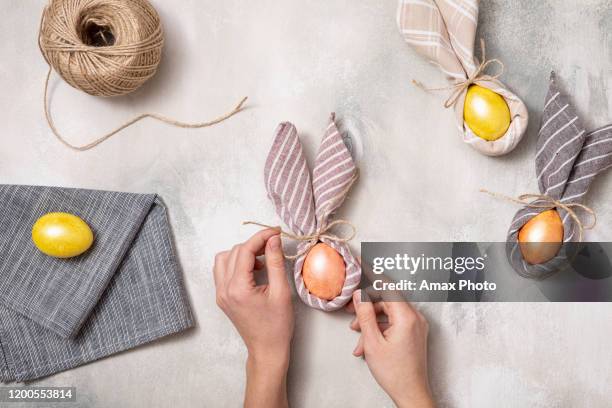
486 113
62 235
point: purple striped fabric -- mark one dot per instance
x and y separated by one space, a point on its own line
567 160
306 204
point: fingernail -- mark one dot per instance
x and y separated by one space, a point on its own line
357 297
274 242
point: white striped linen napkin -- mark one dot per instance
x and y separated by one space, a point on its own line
443 31
127 290
305 204
567 160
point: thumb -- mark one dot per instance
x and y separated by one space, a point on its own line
358 351
367 318
275 264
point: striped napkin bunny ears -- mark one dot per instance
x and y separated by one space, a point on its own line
567 160
443 31
305 205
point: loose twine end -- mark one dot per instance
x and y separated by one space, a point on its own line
458 87
419 84
160 118
543 201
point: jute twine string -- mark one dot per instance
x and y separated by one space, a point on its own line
478 75
105 48
323 231
312 239
531 200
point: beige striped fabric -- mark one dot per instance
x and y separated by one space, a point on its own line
568 158
306 204
443 31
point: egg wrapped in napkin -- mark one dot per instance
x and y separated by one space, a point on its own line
567 160
491 118
325 271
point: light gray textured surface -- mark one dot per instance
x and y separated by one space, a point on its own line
299 61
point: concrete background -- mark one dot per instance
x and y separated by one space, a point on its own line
299 61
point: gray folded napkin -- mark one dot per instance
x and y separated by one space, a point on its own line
56 314
568 158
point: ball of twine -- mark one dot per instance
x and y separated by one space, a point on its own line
105 48
102 47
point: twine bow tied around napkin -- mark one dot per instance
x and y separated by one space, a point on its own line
461 85
127 290
544 202
306 204
311 240
443 31
567 161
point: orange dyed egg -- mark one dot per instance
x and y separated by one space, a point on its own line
541 237
324 271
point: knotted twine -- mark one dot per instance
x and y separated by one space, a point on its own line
462 85
105 48
545 202
323 231
311 239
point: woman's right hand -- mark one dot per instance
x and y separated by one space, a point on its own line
396 350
